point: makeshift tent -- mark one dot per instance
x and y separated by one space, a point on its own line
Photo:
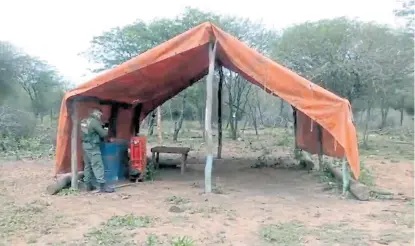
128 92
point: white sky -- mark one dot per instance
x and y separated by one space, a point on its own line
57 31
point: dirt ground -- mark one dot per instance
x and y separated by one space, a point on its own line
250 206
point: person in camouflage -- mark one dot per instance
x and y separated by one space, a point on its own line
92 135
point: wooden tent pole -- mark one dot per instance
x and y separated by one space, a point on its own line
219 154
74 144
208 118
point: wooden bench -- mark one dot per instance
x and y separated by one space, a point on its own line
155 151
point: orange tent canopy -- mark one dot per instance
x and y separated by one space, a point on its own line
157 75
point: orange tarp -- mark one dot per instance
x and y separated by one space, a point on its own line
162 72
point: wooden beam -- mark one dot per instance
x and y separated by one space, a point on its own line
135 121
219 154
103 101
113 119
208 118
74 143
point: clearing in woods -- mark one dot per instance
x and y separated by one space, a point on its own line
250 206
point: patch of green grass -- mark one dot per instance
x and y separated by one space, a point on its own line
68 192
182 241
20 219
112 231
397 218
395 236
152 240
177 200
366 175
289 233
129 221
393 146
104 236
341 234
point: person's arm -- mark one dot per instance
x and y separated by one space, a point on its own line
96 125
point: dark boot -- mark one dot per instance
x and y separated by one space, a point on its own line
103 188
89 187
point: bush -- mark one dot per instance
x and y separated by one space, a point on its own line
16 123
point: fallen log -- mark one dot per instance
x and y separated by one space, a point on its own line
62 183
359 190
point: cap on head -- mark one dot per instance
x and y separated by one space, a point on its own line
97 113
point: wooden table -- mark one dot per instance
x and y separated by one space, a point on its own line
170 150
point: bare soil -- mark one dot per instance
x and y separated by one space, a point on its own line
250 206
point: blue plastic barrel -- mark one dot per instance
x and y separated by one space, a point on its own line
112 156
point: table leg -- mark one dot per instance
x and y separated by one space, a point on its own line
183 164
153 160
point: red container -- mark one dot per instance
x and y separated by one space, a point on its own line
138 153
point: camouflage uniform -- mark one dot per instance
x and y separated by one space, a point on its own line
92 133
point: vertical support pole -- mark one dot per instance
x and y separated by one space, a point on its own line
296 150
208 118
135 121
74 144
113 119
159 133
219 154
320 146
346 176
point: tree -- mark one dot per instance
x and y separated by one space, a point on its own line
39 81
407 13
8 71
323 52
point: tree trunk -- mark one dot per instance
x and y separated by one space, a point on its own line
261 115
62 183
401 109
365 133
253 117
151 124
384 111
281 107
219 154
159 133
178 124
232 116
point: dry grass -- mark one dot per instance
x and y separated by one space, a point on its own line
270 206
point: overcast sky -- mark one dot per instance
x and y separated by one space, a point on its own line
57 31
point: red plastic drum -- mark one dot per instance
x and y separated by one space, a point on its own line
138 153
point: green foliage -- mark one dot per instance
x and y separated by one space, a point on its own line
129 221
152 240
182 241
111 232
8 71
68 192
150 171
366 175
